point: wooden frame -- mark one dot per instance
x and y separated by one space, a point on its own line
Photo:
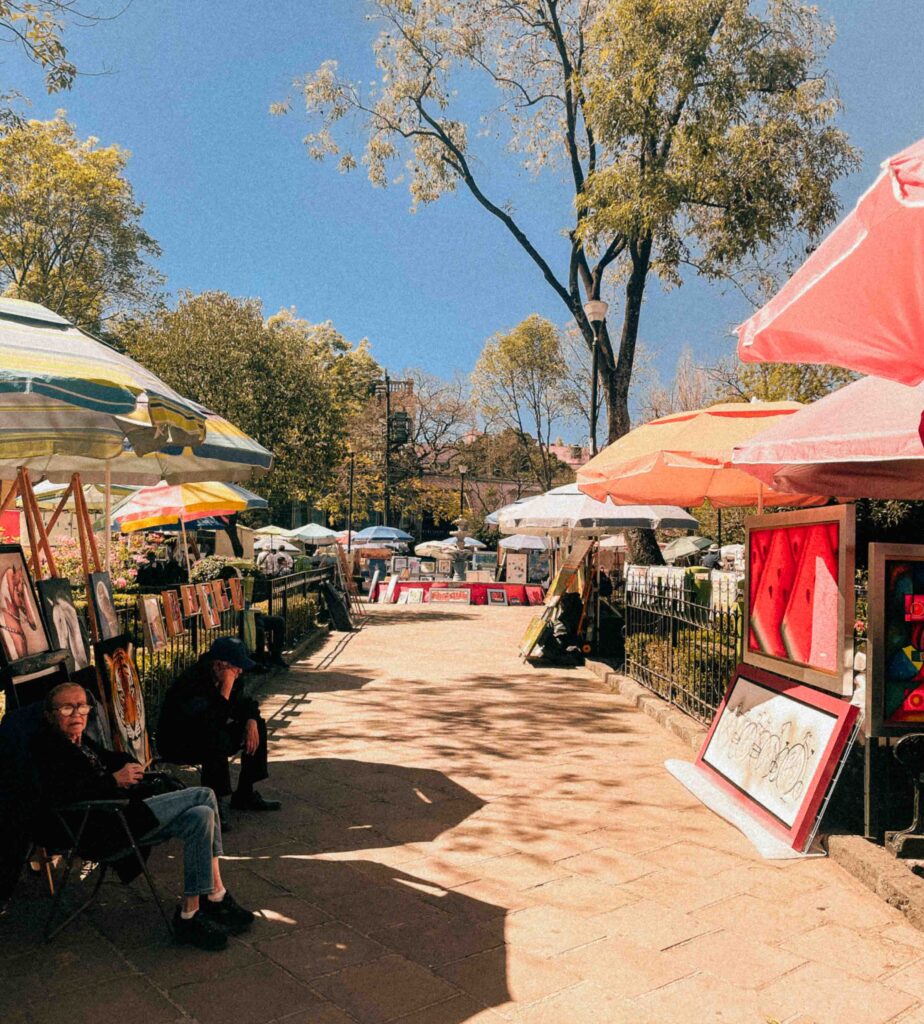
837 648
222 601
152 622
207 610
173 613
23 633
190 599
774 746
121 688
236 590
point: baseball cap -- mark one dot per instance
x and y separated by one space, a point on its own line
227 648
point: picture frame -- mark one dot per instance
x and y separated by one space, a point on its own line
222 601
403 596
120 688
152 622
447 595
497 595
236 590
535 594
444 567
207 609
67 629
517 566
23 633
399 563
415 595
190 599
107 619
894 693
173 613
799 595
774 747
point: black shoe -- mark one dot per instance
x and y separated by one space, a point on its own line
280 663
227 913
199 930
254 802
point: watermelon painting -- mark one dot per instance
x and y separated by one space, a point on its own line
774 590
809 628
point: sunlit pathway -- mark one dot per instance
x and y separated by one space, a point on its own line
466 839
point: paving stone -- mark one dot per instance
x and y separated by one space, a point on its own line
868 956
756 963
623 966
322 950
700 999
549 931
253 994
136 999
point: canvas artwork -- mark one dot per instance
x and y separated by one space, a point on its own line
190 600
514 599
497 595
222 601
517 564
399 563
152 622
22 629
403 596
444 567
207 609
447 596
173 613
415 595
799 595
535 595
107 620
236 590
121 689
67 628
775 746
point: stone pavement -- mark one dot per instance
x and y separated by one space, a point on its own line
467 839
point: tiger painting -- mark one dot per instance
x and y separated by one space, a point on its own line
126 703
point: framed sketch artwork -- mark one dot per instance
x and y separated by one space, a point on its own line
173 613
152 622
66 627
222 602
22 629
107 620
190 599
207 609
236 590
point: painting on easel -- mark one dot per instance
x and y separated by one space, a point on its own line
22 629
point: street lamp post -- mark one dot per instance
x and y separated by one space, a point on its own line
352 455
595 309
463 469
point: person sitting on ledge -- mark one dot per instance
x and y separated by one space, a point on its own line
206 720
72 768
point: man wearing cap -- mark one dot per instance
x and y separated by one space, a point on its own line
206 720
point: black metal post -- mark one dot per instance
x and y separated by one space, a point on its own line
387 502
718 528
350 507
461 494
593 389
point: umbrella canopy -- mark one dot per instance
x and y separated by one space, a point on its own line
494 517
272 531
569 510
684 547
273 544
313 533
686 459
48 496
68 396
380 533
431 549
165 503
861 441
858 300
523 542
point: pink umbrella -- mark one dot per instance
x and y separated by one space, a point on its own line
858 300
859 442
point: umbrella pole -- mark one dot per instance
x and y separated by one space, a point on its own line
107 515
718 528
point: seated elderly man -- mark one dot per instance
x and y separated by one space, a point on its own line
206 720
72 768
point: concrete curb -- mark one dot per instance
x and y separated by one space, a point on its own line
890 879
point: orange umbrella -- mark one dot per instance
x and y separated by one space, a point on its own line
858 300
686 459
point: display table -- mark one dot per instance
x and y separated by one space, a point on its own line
517 593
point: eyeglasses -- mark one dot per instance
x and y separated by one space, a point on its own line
69 710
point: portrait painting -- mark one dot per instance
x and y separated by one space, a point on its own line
207 609
236 589
67 628
121 690
173 613
152 622
190 600
22 629
103 606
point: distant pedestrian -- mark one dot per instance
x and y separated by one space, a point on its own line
712 557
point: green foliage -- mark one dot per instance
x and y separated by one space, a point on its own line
70 228
218 567
779 382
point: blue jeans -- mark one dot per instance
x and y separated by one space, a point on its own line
191 815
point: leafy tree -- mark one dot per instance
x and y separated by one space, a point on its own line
779 382
517 383
693 387
690 134
289 384
70 228
497 460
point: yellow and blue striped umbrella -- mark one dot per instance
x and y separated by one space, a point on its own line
65 395
166 504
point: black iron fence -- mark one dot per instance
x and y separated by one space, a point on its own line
683 638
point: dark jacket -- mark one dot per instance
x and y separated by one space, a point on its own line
196 722
66 776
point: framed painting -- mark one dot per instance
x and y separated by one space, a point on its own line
173 613
399 563
774 745
207 610
444 567
22 628
517 563
415 595
895 680
222 602
236 590
497 595
403 596
120 688
107 620
535 595
190 600
445 595
799 595
152 622
66 628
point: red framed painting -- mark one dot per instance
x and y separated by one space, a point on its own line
799 595
774 746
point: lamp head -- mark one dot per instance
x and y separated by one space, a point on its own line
596 309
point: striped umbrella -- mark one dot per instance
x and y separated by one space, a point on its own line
170 503
65 395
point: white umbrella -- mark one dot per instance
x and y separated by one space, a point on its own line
567 510
273 544
525 542
313 533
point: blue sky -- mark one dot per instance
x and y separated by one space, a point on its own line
237 205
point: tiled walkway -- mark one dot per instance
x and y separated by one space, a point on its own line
466 839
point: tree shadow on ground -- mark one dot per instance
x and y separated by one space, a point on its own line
349 919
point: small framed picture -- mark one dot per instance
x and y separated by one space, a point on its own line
66 627
236 590
173 613
415 595
403 596
210 617
222 603
152 622
22 629
497 595
107 620
190 600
